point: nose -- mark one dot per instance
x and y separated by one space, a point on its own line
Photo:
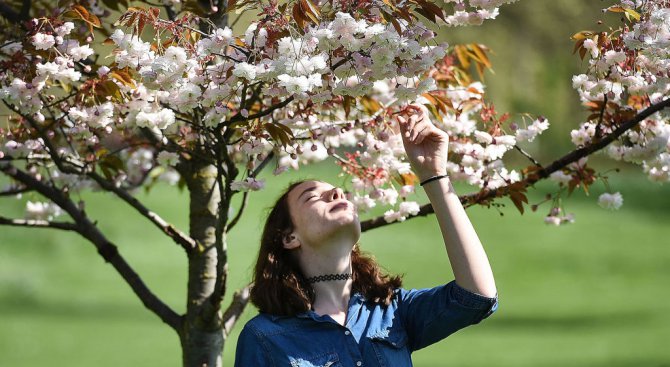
336 194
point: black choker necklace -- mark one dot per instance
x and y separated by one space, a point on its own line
323 278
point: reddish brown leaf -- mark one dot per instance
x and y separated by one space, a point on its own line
298 16
518 199
432 9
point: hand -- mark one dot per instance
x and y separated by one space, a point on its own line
425 144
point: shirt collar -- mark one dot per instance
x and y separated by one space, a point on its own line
310 314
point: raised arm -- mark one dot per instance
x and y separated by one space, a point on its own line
426 147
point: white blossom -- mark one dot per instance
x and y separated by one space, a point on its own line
610 201
166 158
43 41
248 184
42 210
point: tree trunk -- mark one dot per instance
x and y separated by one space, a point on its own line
202 335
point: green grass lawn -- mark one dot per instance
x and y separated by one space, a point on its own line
593 293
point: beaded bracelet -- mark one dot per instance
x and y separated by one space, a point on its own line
434 178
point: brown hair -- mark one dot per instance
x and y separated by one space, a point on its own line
279 286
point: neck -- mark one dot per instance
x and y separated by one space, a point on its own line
330 296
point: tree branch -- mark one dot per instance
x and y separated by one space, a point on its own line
37 223
9 13
245 196
25 9
525 154
263 113
170 12
186 242
245 199
105 248
542 173
15 191
261 166
61 100
602 115
179 237
226 196
236 308
279 105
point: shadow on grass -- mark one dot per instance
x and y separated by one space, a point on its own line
572 322
62 309
628 362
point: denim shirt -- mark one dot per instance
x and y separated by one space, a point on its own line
373 335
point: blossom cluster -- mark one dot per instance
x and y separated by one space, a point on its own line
474 12
342 58
328 89
627 72
39 210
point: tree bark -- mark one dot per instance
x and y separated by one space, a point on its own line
202 334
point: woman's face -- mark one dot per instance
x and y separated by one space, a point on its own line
321 213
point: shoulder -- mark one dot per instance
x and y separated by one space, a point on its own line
253 348
260 323
403 294
265 324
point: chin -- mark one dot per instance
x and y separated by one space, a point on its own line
349 224
350 220
355 226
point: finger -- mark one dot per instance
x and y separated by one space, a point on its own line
404 130
402 124
414 107
418 130
428 131
417 109
413 120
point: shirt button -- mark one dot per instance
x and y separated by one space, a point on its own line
347 332
359 363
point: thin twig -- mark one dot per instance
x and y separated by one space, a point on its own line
179 237
183 26
62 99
245 196
600 119
38 223
12 192
263 164
243 205
525 154
236 308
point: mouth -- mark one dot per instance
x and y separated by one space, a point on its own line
340 205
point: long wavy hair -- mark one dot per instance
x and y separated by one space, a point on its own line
279 286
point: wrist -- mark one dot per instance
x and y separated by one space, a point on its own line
433 178
422 176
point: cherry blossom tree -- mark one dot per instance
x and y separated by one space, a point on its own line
182 99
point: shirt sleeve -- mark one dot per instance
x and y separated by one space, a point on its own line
251 349
431 314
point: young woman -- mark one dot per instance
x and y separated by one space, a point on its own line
323 303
